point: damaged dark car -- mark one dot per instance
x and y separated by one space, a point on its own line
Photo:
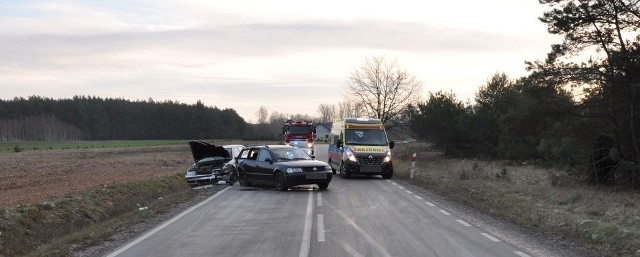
209 166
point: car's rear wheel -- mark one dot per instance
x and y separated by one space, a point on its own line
343 171
233 176
242 179
280 182
323 185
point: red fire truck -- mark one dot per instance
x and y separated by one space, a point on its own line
299 134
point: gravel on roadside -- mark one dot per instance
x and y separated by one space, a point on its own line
125 235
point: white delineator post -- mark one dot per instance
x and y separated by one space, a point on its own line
413 164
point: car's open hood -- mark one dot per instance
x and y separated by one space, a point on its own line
201 150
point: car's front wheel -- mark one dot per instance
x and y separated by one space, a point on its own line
387 174
280 182
323 185
343 171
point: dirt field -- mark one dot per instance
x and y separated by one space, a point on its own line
33 176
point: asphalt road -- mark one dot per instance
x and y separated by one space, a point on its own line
364 216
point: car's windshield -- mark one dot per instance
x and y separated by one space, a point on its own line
289 154
365 137
230 151
299 130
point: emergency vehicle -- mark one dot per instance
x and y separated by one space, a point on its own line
360 146
299 134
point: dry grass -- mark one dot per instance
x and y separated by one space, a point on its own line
605 219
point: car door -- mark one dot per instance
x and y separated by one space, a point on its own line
264 167
335 152
249 164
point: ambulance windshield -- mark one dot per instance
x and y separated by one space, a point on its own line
366 137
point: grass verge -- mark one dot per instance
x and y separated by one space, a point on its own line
60 226
604 219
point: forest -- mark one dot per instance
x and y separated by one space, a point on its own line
577 108
92 118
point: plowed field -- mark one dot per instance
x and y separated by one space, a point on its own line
33 176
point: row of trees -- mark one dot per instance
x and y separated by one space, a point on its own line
93 118
566 111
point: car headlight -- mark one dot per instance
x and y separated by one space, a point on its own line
388 158
327 168
294 170
191 173
350 155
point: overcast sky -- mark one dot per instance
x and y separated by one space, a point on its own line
289 56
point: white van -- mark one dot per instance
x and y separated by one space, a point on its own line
360 146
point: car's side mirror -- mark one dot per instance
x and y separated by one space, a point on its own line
391 144
339 143
312 156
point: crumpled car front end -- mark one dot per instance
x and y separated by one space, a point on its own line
209 163
206 171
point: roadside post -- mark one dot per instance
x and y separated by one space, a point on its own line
413 164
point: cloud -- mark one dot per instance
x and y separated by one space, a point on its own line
166 50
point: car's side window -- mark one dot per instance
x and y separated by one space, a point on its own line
244 154
253 154
263 155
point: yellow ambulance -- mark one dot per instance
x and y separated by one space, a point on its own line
359 146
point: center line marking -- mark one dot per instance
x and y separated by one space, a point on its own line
417 197
430 204
320 228
401 187
408 191
306 231
445 212
319 201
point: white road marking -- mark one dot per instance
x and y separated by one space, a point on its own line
430 204
521 254
164 225
320 228
408 191
393 183
364 234
464 223
306 232
319 200
401 187
445 212
417 197
490 237
349 249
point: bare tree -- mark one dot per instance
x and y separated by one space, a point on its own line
349 109
327 112
262 114
382 89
